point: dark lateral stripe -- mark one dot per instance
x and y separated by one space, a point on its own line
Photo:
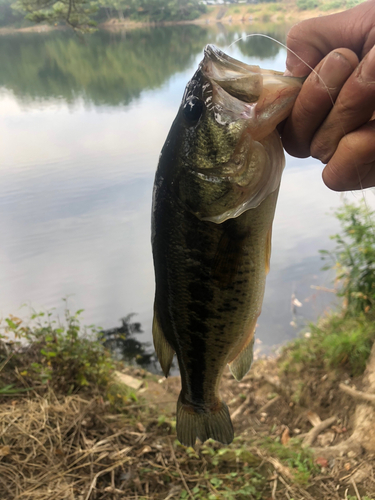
196 356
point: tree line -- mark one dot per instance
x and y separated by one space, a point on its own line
84 15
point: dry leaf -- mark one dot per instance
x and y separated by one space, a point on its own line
144 450
141 427
4 451
322 462
296 302
285 437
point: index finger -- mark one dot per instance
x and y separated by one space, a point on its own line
314 38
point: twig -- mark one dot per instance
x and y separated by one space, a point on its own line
364 396
274 489
265 407
6 361
241 407
323 288
279 467
100 473
288 488
355 489
351 473
315 431
150 404
180 472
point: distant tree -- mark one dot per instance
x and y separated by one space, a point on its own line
76 13
79 13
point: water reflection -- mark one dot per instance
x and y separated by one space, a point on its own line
81 128
104 69
124 344
111 68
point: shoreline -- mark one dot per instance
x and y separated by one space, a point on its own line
244 15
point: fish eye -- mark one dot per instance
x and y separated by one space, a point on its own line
193 109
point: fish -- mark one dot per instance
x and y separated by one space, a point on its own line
214 200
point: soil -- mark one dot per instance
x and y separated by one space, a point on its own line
81 447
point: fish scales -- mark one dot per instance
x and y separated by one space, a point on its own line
214 200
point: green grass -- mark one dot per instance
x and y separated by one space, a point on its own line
299 460
308 4
335 4
337 342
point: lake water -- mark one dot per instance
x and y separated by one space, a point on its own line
81 128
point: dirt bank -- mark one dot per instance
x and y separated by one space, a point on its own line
85 447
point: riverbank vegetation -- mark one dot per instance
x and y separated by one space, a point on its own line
86 15
76 423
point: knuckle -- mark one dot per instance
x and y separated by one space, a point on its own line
296 34
306 109
321 150
347 107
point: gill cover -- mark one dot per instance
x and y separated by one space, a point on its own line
236 155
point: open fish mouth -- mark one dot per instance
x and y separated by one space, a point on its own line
238 91
238 79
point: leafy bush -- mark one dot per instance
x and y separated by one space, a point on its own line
335 4
65 355
354 257
308 4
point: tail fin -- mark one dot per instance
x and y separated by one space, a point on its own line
203 425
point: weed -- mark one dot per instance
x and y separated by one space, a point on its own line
354 257
307 4
351 497
335 4
64 355
337 341
299 460
343 339
119 396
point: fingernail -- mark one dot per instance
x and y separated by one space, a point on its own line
334 69
367 67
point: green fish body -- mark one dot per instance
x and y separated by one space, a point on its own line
215 195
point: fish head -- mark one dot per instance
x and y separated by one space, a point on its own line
223 155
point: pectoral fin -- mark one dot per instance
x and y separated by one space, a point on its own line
242 363
163 350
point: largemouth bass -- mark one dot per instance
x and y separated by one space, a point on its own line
215 194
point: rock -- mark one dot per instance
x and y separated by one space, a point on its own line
133 383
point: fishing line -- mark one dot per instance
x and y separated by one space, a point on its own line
330 96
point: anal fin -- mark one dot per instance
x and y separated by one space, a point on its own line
163 350
242 363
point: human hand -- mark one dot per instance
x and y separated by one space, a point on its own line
341 49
